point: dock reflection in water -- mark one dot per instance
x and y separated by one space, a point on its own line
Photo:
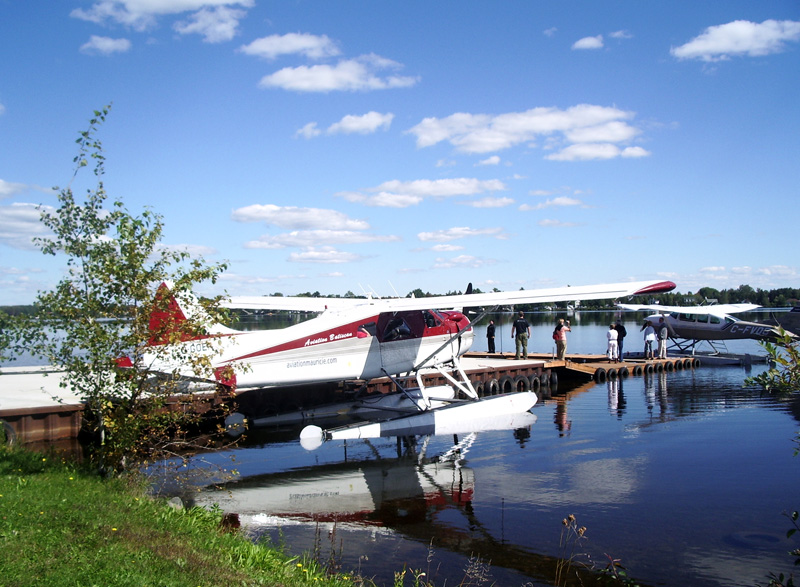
682 475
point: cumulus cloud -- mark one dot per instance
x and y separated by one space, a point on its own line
309 131
550 223
468 261
738 38
459 232
589 43
293 217
20 223
314 238
360 74
489 202
364 124
558 201
584 123
141 15
324 255
9 189
307 45
382 199
589 151
351 124
446 248
215 25
105 46
493 160
401 194
620 35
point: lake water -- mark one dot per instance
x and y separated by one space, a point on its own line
684 476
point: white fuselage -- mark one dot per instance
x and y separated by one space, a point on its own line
334 346
712 327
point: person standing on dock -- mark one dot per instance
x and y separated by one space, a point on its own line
490 336
520 331
663 335
560 336
649 339
612 336
621 333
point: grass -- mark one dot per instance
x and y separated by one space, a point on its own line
61 525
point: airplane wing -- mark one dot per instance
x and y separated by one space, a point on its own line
715 310
529 296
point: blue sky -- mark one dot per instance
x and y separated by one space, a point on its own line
335 146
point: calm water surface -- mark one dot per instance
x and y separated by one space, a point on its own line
683 475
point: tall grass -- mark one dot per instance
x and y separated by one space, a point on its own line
61 525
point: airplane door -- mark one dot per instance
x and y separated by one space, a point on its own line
400 336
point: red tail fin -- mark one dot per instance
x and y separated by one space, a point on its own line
168 321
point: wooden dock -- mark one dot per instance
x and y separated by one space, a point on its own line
34 408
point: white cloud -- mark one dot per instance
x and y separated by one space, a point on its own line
614 131
782 271
382 199
459 232
589 43
634 152
142 14
359 74
20 223
9 189
550 32
364 124
401 194
550 223
489 202
468 261
215 25
314 238
740 37
481 133
105 46
558 201
620 35
293 217
589 151
310 46
443 188
324 255
309 131
446 248
493 160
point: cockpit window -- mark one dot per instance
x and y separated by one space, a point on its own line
431 319
396 329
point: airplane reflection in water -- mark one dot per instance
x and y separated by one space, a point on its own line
365 491
412 495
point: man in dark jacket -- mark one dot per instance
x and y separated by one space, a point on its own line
621 333
520 331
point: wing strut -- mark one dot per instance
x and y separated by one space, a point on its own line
464 385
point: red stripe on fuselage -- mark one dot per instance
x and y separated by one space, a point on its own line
344 332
